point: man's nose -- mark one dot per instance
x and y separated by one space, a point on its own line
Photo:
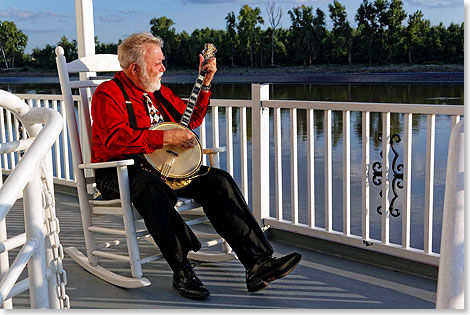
162 69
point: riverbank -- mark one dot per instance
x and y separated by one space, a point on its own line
278 70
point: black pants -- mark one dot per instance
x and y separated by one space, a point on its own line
216 192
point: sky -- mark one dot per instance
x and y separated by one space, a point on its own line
46 21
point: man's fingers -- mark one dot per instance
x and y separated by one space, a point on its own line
201 60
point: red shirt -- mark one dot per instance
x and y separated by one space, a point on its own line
112 136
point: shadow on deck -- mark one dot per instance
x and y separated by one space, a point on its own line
321 281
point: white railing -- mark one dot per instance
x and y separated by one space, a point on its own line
269 131
344 236
61 157
31 177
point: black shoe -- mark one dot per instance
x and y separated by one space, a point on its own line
188 284
269 269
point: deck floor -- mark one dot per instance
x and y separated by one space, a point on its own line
321 281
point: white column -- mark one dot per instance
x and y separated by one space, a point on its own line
4 261
260 175
34 228
85 27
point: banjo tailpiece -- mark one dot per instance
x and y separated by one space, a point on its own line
173 183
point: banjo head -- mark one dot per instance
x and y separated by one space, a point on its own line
186 161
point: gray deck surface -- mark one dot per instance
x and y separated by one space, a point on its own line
321 281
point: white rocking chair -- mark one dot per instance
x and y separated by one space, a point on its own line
84 177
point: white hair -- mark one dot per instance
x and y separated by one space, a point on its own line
132 50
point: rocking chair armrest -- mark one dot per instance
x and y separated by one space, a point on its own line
106 164
214 150
213 155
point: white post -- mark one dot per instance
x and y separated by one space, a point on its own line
385 178
294 174
34 228
450 282
128 218
260 121
365 174
85 27
86 47
328 172
4 261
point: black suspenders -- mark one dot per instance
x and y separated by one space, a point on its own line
168 106
130 109
158 95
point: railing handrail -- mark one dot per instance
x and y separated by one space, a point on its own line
368 107
51 97
45 137
319 105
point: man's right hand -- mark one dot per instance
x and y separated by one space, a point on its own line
179 137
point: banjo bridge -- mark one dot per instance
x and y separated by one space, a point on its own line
172 153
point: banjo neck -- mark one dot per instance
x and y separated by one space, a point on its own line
208 52
188 112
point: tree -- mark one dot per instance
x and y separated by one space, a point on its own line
249 29
454 45
44 57
381 9
70 48
163 27
367 25
434 42
319 33
274 17
12 42
109 48
342 31
302 32
395 15
415 32
231 26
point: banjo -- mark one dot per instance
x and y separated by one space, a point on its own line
178 166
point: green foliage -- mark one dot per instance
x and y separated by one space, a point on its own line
45 58
249 31
231 36
163 27
103 48
307 35
12 43
416 33
342 33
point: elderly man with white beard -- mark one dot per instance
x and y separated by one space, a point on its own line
123 111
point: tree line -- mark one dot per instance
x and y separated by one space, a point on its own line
385 34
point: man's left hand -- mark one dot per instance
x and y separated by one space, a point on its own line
210 67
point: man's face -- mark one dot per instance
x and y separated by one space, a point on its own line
153 68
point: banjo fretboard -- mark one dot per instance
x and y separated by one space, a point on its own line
192 99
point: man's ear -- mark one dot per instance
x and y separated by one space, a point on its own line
135 68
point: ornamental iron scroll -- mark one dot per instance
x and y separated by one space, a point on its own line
397 169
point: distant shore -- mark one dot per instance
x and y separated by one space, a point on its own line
276 70
316 74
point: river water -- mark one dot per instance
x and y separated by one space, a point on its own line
412 93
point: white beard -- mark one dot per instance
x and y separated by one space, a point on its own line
149 85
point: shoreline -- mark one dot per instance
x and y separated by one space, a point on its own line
320 74
279 70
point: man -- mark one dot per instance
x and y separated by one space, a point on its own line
121 131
